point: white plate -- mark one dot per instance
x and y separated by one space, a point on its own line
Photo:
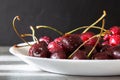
69 67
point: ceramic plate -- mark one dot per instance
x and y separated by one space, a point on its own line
69 67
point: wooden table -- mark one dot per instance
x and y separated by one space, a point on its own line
13 68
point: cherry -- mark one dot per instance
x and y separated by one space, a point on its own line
55 47
58 40
79 55
85 36
39 50
102 55
46 39
58 55
115 30
115 51
114 40
70 42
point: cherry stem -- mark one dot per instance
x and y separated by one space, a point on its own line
96 27
103 23
31 35
48 27
104 14
14 27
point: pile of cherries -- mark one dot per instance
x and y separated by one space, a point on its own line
77 46
64 46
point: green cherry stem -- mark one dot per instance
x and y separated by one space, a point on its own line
14 27
104 14
96 27
48 27
31 35
99 36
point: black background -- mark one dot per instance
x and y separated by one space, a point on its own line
64 15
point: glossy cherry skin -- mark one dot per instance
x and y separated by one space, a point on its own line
114 40
58 55
39 50
79 55
101 56
45 39
115 51
55 47
70 42
115 30
85 36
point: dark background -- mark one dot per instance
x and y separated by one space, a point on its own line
64 15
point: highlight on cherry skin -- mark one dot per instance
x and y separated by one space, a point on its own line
86 45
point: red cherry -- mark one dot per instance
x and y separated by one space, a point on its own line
46 39
114 40
79 55
102 55
58 55
85 36
115 30
70 42
39 50
54 47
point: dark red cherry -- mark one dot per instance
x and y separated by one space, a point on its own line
85 36
70 42
115 51
79 55
58 55
115 30
114 40
46 39
39 50
55 47
102 56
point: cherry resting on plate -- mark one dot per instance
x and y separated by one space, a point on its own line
65 45
115 52
39 50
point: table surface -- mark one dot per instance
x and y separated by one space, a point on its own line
13 68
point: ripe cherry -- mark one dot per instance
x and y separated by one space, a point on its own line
85 36
55 47
70 42
39 50
46 39
114 40
115 51
102 55
115 30
79 55
58 55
